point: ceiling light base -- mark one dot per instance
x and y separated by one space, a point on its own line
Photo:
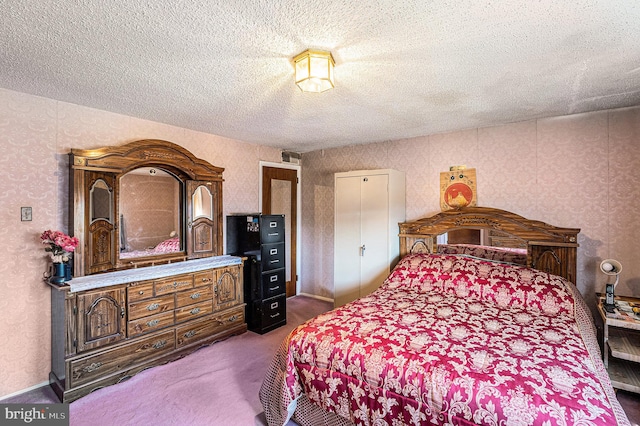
314 71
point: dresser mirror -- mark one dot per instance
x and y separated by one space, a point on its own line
101 201
144 203
150 206
202 203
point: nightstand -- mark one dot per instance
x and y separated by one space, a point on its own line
622 339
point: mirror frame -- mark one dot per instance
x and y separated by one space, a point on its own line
99 244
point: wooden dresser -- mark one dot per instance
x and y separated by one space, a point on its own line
108 327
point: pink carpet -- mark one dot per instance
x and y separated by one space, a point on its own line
216 385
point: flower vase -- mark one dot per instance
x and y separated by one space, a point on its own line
58 274
67 271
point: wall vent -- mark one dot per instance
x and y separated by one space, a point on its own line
291 157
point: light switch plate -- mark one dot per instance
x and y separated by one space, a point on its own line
25 214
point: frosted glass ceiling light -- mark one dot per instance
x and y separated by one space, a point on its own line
314 71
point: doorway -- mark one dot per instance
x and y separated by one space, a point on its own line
280 196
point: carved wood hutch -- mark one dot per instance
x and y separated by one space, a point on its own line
128 309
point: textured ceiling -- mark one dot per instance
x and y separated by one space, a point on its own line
403 68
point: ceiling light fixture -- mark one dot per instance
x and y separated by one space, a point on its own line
314 71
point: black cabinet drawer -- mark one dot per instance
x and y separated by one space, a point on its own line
272 229
272 256
273 283
261 238
273 311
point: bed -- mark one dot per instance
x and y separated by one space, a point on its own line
450 339
170 245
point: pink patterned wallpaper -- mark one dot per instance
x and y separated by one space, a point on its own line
576 171
35 135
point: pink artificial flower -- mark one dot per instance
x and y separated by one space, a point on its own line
60 245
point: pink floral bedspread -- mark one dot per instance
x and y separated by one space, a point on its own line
501 254
450 340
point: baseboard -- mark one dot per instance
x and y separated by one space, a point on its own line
20 392
313 296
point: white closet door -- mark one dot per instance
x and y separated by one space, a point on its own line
374 220
347 248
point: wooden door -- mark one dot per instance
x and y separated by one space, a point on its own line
101 319
280 196
100 222
228 291
201 219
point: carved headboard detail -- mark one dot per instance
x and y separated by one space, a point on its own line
549 248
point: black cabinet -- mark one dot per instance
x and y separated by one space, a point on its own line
260 238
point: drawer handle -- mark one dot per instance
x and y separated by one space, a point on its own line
274 305
92 367
189 334
275 261
273 234
273 251
273 225
277 314
195 311
274 288
273 278
160 344
153 307
233 318
153 323
195 296
206 280
141 292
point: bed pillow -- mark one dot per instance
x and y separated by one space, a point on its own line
469 278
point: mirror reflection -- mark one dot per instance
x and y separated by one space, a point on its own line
484 243
202 203
150 212
100 202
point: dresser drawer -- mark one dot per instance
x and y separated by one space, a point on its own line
189 297
180 282
150 323
272 229
203 278
273 283
229 318
121 358
272 256
194 311
200 329
273 311
153 306
141 291
194 331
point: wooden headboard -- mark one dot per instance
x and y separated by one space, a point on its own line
549 248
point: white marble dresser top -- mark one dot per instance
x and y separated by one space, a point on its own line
91 282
